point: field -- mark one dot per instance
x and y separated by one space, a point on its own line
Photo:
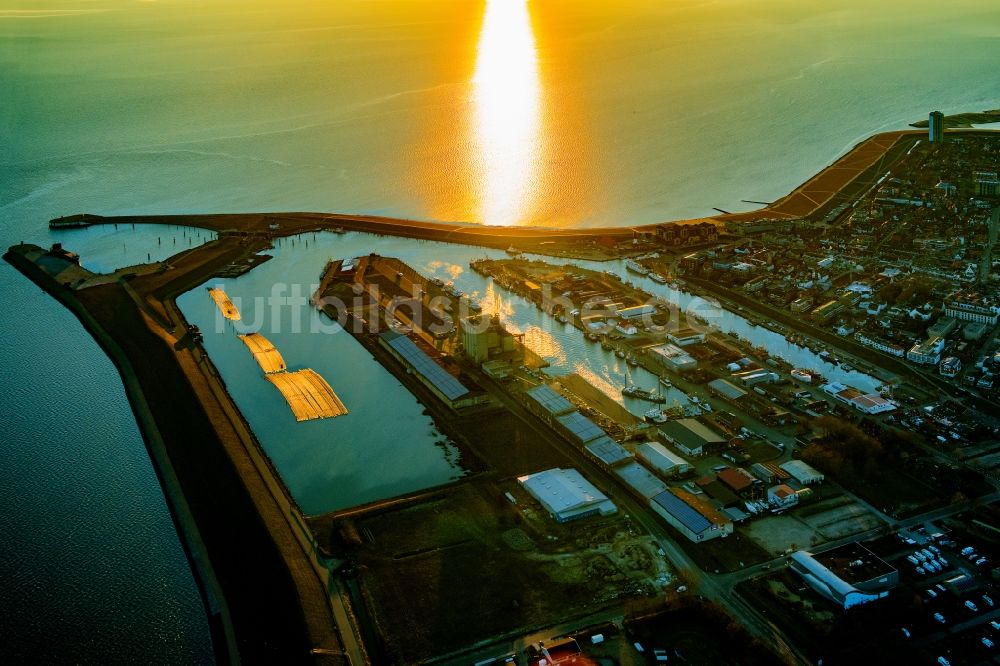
698 634
469 565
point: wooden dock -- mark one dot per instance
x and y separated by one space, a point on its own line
225 305
308 394
267 356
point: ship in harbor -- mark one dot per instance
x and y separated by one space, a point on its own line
636 267
633 391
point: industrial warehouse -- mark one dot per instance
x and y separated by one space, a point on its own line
566 495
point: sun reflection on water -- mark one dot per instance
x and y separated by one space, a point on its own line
507 110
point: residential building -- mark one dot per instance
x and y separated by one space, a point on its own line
935 127
950 367
927 352
971 306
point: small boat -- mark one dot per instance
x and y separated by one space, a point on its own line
694 399
636 267
664 382
619 353
655 415
707 407
512 251
847 368
593 337
657 278
801 375
633 361
606 344
339 230
633 391
562 319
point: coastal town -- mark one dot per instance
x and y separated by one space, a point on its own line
803 440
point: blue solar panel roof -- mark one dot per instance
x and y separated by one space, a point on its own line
549 400
450 387
582 428
683 512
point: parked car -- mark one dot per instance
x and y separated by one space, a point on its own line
932 594
987 642
988 600
971 606
939 617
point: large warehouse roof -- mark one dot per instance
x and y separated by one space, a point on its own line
660 457
547 398
641 479
564 492
801 471
683 512
690 433
581 427
608 451
450 387
726 389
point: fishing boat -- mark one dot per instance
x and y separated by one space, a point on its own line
655 415
665 383
633 391
636 267
657 278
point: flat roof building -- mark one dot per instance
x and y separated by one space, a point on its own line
579 428
848 575
547 403
726 390
673 357
691 437
566 495
607 451
446 387
640 480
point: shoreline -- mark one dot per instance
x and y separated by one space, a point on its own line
843 179
275 596
261 563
